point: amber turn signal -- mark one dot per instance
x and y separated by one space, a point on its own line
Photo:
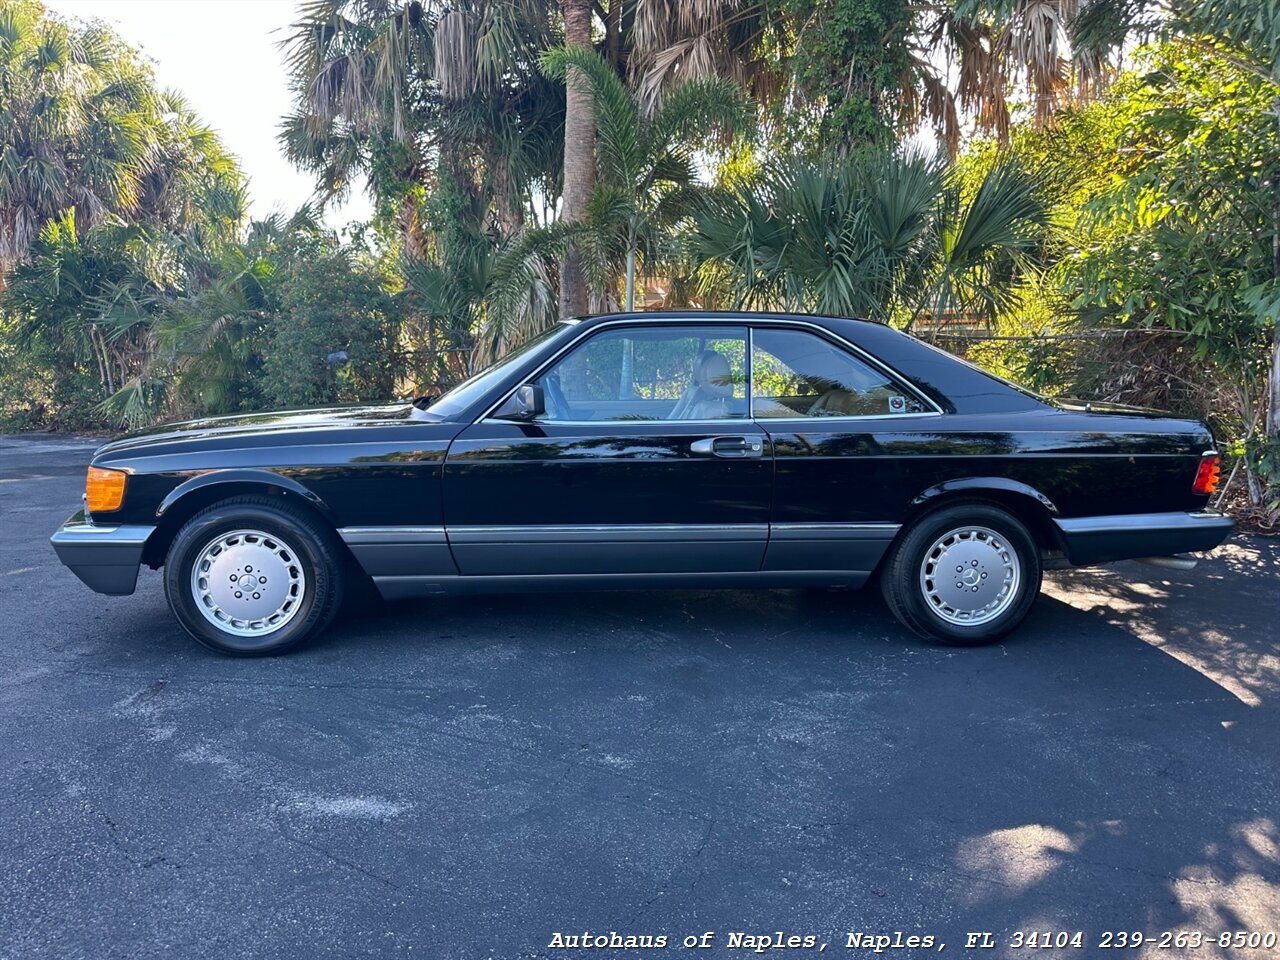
104 489
1207 474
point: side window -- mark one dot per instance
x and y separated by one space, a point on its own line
796 374
654 373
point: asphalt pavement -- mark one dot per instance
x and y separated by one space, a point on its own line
487 777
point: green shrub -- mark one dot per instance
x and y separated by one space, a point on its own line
333 338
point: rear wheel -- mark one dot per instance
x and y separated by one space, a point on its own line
964 575
253 576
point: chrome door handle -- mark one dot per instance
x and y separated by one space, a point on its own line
729 446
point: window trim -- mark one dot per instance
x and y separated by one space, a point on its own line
727 322
840 344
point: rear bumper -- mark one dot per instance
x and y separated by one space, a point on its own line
105 557
1128 536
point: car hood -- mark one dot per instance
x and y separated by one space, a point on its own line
259 424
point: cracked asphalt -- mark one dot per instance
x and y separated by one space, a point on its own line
467 777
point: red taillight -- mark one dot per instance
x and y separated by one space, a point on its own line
1207 474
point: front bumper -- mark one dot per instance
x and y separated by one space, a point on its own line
105 557
1130 536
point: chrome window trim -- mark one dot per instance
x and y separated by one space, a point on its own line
611 423
859 353
864 416
750 324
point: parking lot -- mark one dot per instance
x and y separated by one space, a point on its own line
467 777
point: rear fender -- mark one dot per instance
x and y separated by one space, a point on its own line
979 485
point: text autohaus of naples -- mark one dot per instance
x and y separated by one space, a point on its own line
877 942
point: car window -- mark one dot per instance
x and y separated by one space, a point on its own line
654 373
797 374
474 388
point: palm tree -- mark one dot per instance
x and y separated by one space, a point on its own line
1053 53
488 294
888 237
967 58
77 128
579 157
673 42
408 93
83 126
646 180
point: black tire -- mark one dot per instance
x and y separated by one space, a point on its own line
311 553
905 568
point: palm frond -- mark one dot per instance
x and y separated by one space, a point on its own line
702 111
618 148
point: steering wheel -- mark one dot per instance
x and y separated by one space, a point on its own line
557 405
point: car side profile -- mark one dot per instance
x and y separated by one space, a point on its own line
670 450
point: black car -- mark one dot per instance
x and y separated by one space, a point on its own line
651 450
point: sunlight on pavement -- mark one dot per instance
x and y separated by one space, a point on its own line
1017 858
1249 900
1177 614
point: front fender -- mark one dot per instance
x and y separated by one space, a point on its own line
266 478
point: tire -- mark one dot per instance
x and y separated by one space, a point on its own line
939 576
232 606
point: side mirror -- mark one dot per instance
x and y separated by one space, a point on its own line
527 403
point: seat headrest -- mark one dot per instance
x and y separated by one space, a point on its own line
713 374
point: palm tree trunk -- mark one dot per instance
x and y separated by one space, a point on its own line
613 34
98 344
631 274
510 208
579 158
415 238
97 357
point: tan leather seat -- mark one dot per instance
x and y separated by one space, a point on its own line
708 396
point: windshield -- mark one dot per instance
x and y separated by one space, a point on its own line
473 389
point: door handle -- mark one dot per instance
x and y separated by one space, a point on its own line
729 446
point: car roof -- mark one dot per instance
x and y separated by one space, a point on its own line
656 315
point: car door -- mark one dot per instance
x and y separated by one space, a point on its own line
644 461
837 422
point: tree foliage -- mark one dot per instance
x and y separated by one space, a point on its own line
83 126
1113 213
1185 235
646 181
884 235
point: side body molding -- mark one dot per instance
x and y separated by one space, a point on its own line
400 552
418 561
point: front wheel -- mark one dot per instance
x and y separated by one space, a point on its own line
963 575
253 576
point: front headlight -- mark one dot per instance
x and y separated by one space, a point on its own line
104 489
